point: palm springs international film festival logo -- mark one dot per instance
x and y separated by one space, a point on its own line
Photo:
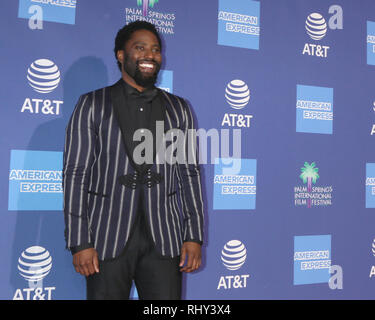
308 194
233 257
237 95
43 77
34 264
239 23
163 21
316 28
145 4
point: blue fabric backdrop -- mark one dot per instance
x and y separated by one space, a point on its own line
304 197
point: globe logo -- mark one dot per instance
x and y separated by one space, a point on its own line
233 255
43 76
237 94
35 263
316 26
373 247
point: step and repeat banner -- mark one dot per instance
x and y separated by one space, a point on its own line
283 94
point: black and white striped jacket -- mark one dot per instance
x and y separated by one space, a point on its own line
98 209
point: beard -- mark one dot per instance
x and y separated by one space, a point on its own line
132 69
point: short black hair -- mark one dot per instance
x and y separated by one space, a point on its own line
125 33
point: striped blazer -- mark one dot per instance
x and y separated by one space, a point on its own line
98 209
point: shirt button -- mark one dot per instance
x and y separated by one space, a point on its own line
142 131
140 109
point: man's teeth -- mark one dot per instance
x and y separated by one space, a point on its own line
147 65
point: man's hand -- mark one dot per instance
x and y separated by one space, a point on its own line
86 262
193 251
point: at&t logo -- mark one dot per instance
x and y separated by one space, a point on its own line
34 265
233 257
372 271
317 27
43 76
237 95
373 126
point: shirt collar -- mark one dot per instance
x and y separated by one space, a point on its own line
148 95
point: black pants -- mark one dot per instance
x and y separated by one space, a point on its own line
156 277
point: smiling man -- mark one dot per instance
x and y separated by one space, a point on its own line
128 220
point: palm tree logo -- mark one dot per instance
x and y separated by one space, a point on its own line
145 4
310 175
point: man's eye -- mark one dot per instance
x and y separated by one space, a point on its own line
140 48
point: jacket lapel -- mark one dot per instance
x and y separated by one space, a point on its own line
162 110
158 113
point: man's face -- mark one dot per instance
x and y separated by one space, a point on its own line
142 58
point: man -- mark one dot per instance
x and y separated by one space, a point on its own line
127 220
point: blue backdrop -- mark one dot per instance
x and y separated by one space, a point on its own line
295 77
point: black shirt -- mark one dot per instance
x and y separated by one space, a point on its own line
139 105
138 108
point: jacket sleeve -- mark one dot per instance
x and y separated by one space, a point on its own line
78 158
189 180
